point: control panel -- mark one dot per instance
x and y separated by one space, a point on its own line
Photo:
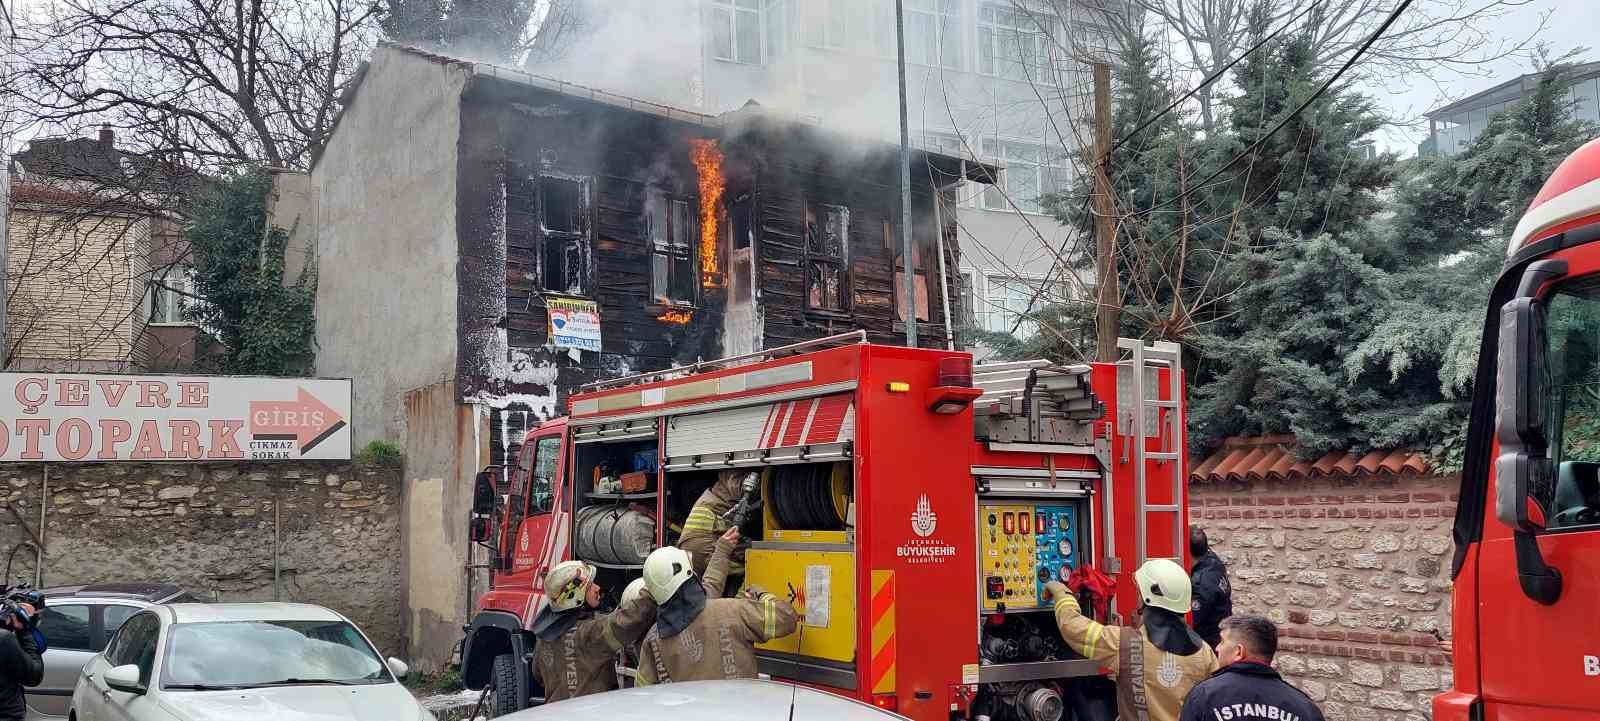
1024 546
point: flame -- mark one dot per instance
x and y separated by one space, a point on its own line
676 317
707 158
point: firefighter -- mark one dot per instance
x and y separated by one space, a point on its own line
697 638
706 521
1154 664
1213 596
577 648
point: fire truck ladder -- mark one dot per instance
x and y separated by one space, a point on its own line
1157 354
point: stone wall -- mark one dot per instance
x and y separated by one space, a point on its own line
1356 572
210 529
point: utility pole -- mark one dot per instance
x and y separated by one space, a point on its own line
910 290
1108 301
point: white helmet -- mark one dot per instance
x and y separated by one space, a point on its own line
1163 584
634 590
567 585
665 570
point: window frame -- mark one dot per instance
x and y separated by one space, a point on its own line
552 443
681 244
945 24
814 216
1555 384
88 625
1044 66
120 637
582 237
177 291
1000 315
728 11
1044 168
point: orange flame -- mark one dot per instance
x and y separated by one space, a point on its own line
707 158
676 317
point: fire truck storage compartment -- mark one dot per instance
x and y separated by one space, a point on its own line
613 529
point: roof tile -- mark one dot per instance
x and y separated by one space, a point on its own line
1273 457
1368 464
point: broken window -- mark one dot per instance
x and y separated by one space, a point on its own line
736 30
670 225
919 280
564 235
827 236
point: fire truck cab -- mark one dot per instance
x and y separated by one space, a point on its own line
1527 575
912 507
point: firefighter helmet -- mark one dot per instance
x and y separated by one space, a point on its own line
1569 199
567 585
665 570
1163 584
634 590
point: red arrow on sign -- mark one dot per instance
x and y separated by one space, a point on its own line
304 419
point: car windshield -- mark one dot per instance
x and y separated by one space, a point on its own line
244 654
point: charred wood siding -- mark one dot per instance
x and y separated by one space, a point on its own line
794 172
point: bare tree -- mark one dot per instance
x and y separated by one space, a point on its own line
209 82
1433 38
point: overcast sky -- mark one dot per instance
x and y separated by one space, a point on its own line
1572 24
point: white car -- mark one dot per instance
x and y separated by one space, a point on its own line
242 662
737 700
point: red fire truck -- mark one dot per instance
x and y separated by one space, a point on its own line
1527 577
912 504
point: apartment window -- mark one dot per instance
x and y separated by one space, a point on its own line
169 297
967 192
1012 300
933 32
736 30
670 225
1014 44
1028 172
835 24
564 225
827 232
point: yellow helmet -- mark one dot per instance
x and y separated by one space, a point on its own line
1163 584
665 570
567 585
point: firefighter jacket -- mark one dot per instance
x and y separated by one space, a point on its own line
1151 683
706 524
1248 691
582 659
739 624
1213 597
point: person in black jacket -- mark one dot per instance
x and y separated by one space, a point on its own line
1246 688
1213 596
21 663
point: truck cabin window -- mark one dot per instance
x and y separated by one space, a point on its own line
1573 405
541 493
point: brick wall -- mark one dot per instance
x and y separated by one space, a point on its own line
1356 572
210 529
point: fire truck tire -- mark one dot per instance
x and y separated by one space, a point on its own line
506 675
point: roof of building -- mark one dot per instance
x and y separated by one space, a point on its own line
978 172
1511 90
1273 457
97 161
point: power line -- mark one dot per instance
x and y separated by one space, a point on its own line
1393 16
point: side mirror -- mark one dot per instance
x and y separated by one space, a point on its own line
481 530
483 494
398 667
1520 423
125 678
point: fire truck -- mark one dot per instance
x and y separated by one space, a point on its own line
912 507
1527 576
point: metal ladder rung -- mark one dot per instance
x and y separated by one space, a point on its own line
1161 455
1162 508
1162 404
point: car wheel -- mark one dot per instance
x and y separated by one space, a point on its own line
503 700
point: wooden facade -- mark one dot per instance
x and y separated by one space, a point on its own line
562 197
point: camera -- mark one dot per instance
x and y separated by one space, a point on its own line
11 600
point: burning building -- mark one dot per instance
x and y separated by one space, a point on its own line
488 240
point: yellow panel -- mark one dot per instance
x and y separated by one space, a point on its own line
696 389
778 534
1007 556
831 574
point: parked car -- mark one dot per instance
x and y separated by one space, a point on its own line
77 621
242 662
742 700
